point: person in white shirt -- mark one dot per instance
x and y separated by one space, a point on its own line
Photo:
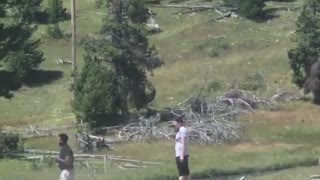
182 149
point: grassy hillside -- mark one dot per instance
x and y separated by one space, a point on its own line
187 45
192 50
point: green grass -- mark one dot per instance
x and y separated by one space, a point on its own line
186 48
205 160
294 174
268 145
273 139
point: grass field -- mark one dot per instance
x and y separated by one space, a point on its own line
186 48
190 49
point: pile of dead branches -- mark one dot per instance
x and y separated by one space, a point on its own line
91 143
210 121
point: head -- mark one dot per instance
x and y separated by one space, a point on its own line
63 139
178 122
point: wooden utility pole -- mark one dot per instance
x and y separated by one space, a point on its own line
73 37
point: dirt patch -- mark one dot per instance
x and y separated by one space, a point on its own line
257 147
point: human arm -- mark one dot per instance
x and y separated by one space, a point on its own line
183 142
66 160
65 156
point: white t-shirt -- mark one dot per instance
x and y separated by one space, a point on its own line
178 146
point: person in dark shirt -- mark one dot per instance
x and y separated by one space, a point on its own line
65 159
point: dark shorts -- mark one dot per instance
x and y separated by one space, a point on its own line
183 167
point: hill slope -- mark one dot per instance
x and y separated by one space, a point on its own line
191 46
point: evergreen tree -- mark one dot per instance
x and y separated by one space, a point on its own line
30 10
122 49
306 53
307 50
96 95
18 52
56 14
134 56
138 11
21 53
252 9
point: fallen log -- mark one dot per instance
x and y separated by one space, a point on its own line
78 157
194 7
130 166
136 161
227 15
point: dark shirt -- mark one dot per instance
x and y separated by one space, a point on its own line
66 151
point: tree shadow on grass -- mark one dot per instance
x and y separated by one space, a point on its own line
272 13
42 17
267 14
37 78
10 82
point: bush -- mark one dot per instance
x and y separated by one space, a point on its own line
9 142
213 53
253 82
252 9
96 99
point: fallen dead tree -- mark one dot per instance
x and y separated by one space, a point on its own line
90 161
224 12
208 121
193 7
35 131
91 143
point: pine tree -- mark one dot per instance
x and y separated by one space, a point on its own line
307 50
134 55
121 47
56 14
18 52
31 10
96 95
21 53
